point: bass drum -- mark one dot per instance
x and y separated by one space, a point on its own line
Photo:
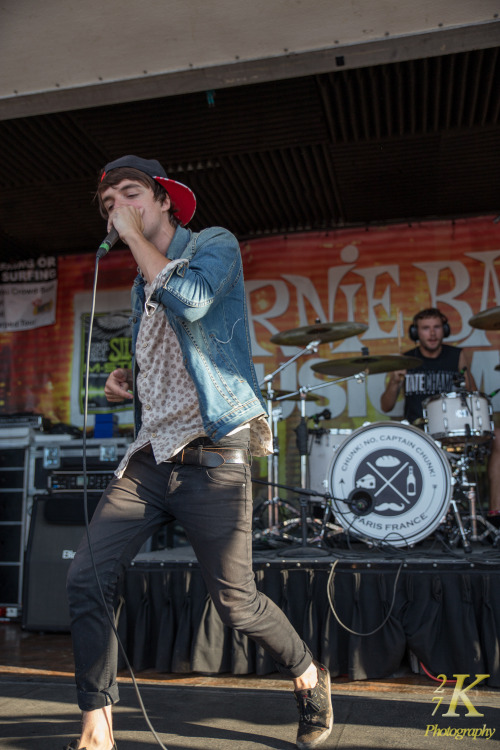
390 483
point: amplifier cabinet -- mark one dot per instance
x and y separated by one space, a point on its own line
58 522
57 527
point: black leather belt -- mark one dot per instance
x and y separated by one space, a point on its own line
201 456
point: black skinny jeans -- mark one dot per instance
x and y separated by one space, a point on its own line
215 508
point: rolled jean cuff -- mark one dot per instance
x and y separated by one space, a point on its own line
93 701
299 669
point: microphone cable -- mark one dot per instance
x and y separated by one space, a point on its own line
330 590
85 497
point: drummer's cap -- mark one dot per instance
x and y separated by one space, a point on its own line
183 198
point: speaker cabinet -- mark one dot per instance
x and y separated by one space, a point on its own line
57 526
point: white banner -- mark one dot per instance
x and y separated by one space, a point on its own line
28 293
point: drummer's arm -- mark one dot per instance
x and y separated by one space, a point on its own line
464 366
392 391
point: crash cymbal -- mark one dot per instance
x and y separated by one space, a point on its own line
292 396
488 320
322 332
373 364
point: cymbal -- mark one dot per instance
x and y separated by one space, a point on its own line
318 332
292 396
373 364
488 320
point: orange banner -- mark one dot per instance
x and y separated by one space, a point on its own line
381 277
378 276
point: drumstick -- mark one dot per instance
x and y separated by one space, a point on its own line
399 330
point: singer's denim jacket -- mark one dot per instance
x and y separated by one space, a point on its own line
204 300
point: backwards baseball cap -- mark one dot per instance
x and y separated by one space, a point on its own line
183 198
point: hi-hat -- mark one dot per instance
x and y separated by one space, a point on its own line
322 332
488 320
366 363
292 396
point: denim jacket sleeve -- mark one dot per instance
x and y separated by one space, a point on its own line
204 301
195 286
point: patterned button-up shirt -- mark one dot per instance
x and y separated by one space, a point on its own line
171 415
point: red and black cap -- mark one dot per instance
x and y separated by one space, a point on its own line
182 196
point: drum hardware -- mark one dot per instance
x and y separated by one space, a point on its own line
472 524
462 422
460 527
310 337
273 502
276 509
301 430
279 529
292 396
302 523
305 494
487 320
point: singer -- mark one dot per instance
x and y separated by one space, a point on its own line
199 415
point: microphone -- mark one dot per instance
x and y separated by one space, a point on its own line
111 239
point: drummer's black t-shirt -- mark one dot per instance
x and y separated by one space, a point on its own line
432 377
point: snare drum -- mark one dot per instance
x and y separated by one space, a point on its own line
459 417
391 483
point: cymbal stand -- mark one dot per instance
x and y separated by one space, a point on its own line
301 430
473 519
274 502
304 496
274 415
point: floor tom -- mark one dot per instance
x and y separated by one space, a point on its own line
457 418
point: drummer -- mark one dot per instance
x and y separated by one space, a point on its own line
442 370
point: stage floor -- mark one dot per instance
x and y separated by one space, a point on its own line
200 712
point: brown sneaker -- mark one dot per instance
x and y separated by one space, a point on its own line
315 711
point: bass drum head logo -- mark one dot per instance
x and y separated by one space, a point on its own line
403 474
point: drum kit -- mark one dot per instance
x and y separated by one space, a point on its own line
386 484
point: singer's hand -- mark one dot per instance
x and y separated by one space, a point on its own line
118 385
127 220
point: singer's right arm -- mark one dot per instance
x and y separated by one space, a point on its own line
119 385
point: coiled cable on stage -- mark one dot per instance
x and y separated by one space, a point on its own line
330 585
86 514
